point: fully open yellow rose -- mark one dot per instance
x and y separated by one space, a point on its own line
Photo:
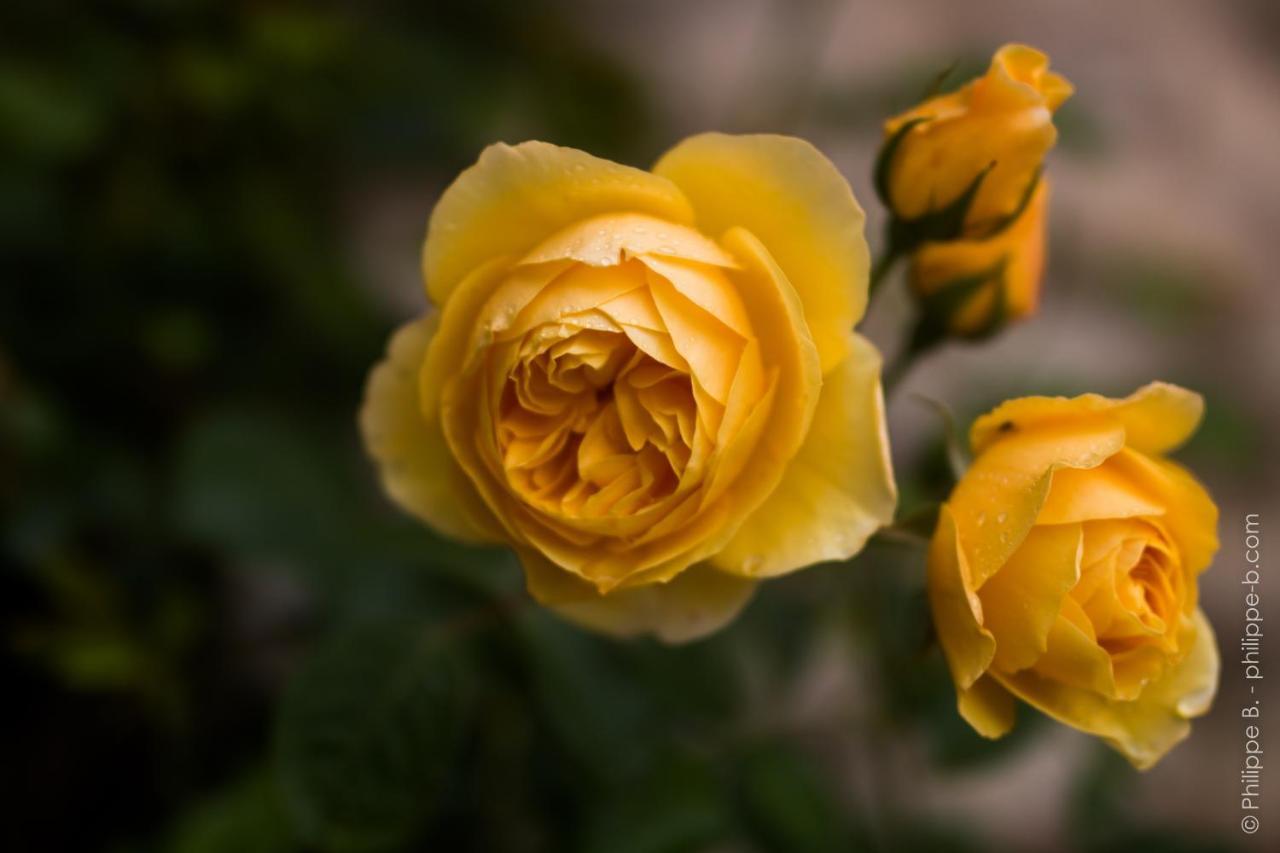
1002 121
1063 570
646 383
1000 275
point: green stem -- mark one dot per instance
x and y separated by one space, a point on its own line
906 358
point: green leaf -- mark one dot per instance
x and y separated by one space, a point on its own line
269 492
588 694
257 486
786 805
367 734
933 325
247 817
679 807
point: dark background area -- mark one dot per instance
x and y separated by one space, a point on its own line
218 635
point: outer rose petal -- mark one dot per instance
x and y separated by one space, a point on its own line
693 604
837 491
1148 727
416 467
1157 417
987 706
785 192
1023 599
515 196
957 610
1001 495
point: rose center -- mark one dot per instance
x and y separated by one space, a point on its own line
589 425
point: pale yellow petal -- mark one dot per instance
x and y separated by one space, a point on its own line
711 348
458 335
414 463
988 707
790 196
693 604
579 289
786 340
1022 600
1157 417
1146 728
514 197
613 238
957 610
705 286
839 488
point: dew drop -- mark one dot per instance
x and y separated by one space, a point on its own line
1002 518
982 518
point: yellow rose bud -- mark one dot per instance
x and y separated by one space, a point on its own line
998 128
1064 568
978 285
646 383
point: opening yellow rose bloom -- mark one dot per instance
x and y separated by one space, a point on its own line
646 383
1011 262
1064 570
1002 121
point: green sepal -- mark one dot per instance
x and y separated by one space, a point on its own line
884 160
1008 219
942 225
935 87
938 308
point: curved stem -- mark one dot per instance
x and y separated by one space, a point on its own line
906 358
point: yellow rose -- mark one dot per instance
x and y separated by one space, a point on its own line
646 383
965 278
1064 570
1002 121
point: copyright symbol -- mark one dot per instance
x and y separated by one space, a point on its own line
1249 824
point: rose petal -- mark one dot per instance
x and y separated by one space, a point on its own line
1096 493
1022 600
414 463
786 193
1148 727
1001 495
1191 517
988 707
839 488
516 196
957 610
695 603
1156 418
